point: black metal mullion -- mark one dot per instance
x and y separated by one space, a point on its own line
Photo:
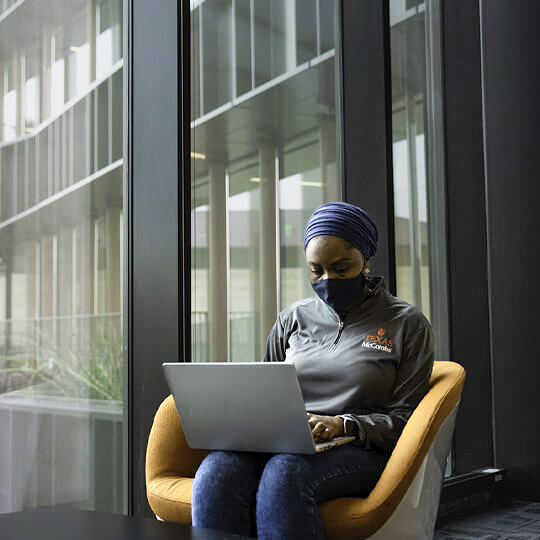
365 116
184 189
156 229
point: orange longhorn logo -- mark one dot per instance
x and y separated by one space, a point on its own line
380 332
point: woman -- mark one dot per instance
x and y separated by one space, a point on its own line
363 358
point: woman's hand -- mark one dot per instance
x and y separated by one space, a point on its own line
325 427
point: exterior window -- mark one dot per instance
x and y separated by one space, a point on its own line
264 152
417 141
109 35
78 55
417 151
32 84
9 101
61 320
57 71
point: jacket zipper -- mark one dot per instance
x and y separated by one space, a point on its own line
340 331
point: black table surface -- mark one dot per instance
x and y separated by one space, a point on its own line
61 524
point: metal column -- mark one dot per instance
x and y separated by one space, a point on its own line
267 243
217 313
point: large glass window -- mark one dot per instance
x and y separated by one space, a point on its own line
418 153
263 157
61 193
409 152
417 141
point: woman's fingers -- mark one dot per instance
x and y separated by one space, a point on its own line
318 428
326 433
314 421
322 431
322 427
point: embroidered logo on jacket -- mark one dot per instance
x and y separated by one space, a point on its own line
379 341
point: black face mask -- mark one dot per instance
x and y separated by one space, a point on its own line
340 293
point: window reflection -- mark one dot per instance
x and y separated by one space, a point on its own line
78 54
109 35
417 159
263 157
409 153
32 84
9 102
57 72
61 342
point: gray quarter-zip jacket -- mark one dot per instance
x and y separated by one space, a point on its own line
372 366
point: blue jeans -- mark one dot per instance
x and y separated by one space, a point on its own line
276 495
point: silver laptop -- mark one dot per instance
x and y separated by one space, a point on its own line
252 407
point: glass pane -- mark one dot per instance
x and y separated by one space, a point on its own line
409 145
61 342
417 139
78 54
109 36
9 101
58 71
263 157
32 83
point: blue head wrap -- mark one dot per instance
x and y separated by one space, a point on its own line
344 221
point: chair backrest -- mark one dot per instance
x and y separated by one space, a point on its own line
446 385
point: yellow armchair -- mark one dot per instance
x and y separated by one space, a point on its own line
403 504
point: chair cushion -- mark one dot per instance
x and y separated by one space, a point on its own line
170 498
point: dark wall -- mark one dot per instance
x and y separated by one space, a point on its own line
511 86
466 219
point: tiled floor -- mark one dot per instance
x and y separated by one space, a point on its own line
516 520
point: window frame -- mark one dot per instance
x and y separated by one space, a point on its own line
156 179
366 165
